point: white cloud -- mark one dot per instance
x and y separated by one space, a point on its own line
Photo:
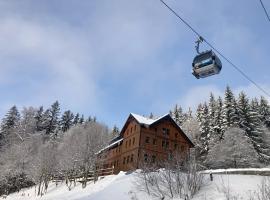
199 94
252 91
56 52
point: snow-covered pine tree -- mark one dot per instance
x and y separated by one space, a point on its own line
115 132
199 113
249 121
90 119
211 114
218 118
244 113
259 131
255 104
178 115
81 120
189 114
264 110
235 115
229 117
39 119
9 122
204 127
76 119
66 120
51 118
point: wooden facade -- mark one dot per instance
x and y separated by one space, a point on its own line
142 139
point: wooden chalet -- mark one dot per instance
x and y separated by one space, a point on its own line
143 139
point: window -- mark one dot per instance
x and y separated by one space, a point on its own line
170 156
130 142
131 158
133 141
155 129
175 146
126 143
145 157
131 130
163 143
128 159
124 160
167 144
135 128
117 163
182 148
153 159
166 131
175 135
147 140
154 141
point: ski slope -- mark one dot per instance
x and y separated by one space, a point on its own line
121 187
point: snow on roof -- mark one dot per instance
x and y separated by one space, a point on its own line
110 145
146 120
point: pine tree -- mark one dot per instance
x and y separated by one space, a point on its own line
9 122
212 111
204 127
89 119
199 113
81 121
264 110
249 121
178 115
39 119
229 117
66 120
52 118
115 132
189 114
218 118
76 119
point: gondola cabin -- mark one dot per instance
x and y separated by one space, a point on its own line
206 64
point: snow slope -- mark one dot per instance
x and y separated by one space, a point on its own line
121 187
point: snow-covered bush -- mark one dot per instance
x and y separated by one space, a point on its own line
175 180
263 192
234 151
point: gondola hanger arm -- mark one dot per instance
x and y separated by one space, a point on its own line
200 40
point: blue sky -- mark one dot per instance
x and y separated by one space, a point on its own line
112 57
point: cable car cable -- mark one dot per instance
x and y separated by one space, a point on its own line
266 13
216 50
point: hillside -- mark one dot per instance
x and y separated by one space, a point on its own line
121 187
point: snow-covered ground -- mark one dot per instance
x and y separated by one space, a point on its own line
121 187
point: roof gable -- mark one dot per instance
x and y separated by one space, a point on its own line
149 122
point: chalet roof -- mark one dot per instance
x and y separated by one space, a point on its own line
145 120
111 145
